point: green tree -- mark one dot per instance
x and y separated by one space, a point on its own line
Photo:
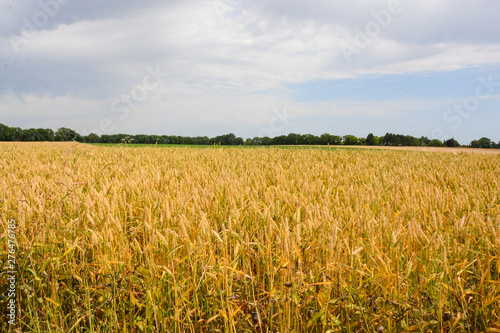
370 140
484 143
389 139
451 143
292 139
256 141
266 141
16 134
45 134
65 134
30 134
202 140
4 132
239 141
228 139
141 138
92 138
435 143
474 144
350 140
279 140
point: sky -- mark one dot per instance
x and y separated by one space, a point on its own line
252 67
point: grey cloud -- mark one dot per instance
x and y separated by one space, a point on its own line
57 78
16 13
420 22
97 50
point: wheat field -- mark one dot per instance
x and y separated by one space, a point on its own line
118 239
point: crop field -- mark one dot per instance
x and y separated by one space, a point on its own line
177 239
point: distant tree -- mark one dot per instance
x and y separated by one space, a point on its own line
325 139
266 141
256 141
418 142
484 143
410 141
328 139
218 140
435 143
45 134
474 144
279 140
202 140
309 139
65 134
451 143
292 139
30 134
92 138
300 139
4 132
388 139
227 139
117 138
120 138
424 140
239 141
155 139
370 140
140 138
350 140
337 140
16 134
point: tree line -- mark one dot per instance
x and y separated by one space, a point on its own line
389 139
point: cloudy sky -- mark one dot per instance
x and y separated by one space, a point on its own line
253 67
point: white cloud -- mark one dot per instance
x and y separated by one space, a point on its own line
230 67
250 50
45 111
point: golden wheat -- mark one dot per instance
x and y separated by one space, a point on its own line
231 239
